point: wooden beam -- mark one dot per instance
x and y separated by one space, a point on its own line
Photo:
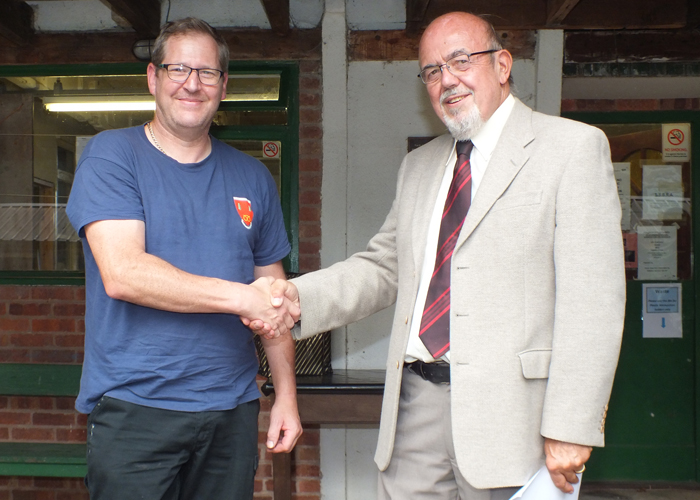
108 47
399 45
588 14
277 12
557 10
142 15
637 46
16 22
415 14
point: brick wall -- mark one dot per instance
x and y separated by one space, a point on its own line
44 324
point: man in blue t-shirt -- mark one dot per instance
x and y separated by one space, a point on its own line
182 234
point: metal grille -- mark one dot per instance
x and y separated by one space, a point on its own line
313 356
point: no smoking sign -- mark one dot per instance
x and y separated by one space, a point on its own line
271 149
676 142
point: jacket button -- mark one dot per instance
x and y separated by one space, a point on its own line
397 365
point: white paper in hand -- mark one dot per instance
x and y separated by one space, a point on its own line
541 487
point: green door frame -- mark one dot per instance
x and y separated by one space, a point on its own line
692 294
287 134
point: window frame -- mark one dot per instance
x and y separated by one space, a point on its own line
287 134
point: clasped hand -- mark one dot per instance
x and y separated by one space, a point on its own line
277 308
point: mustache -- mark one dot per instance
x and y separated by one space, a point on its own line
453 91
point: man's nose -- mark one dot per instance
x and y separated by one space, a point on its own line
447 79
192 83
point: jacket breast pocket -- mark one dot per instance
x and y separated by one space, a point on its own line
535 363
524 199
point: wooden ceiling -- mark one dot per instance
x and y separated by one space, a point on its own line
673 26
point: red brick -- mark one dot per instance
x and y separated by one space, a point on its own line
595 104
310 197
4 402
69 309
53 419
308 486
14 292
74 435
15 324
637 104
306 470
4 339
3 308
29 309
310 180
14 356
309 247
4 495
54 292
32 434
14 418
80 326
32 402
54 356
4 434
53 325
32 495
306 453
309 231
309 213
310 165
310 66
309 263
311 438
53 483
69 340
310 132
568 105
310 82
80 493
80 293
65 403
32 340
81 419
310 148
309 99
310 115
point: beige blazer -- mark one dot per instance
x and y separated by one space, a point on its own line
538 294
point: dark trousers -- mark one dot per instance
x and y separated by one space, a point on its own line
138 452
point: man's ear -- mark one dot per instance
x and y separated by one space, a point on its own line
505 64
151 77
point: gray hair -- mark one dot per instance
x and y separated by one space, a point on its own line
187 26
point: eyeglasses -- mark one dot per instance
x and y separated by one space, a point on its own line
457 65
180 73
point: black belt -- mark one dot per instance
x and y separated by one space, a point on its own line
437 373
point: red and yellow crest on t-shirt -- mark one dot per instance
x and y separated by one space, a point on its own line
243 207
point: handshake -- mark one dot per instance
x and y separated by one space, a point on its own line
274 307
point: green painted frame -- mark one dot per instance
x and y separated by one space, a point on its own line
653 462
287 134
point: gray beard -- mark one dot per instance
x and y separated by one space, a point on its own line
465 128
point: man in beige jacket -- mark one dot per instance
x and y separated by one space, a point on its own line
535 291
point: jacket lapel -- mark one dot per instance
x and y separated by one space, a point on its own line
425 191
507 160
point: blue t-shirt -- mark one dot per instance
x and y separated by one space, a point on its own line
217 218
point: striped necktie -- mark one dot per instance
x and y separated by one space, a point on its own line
435 323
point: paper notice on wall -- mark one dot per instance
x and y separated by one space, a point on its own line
675 142
622 177
662 192
657 248
662 311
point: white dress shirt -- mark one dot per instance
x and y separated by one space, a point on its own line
484 144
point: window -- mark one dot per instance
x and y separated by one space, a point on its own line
48 114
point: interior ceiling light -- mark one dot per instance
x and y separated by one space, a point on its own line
99 103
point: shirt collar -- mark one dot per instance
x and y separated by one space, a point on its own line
487 137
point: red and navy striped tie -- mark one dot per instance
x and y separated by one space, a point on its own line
435 324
